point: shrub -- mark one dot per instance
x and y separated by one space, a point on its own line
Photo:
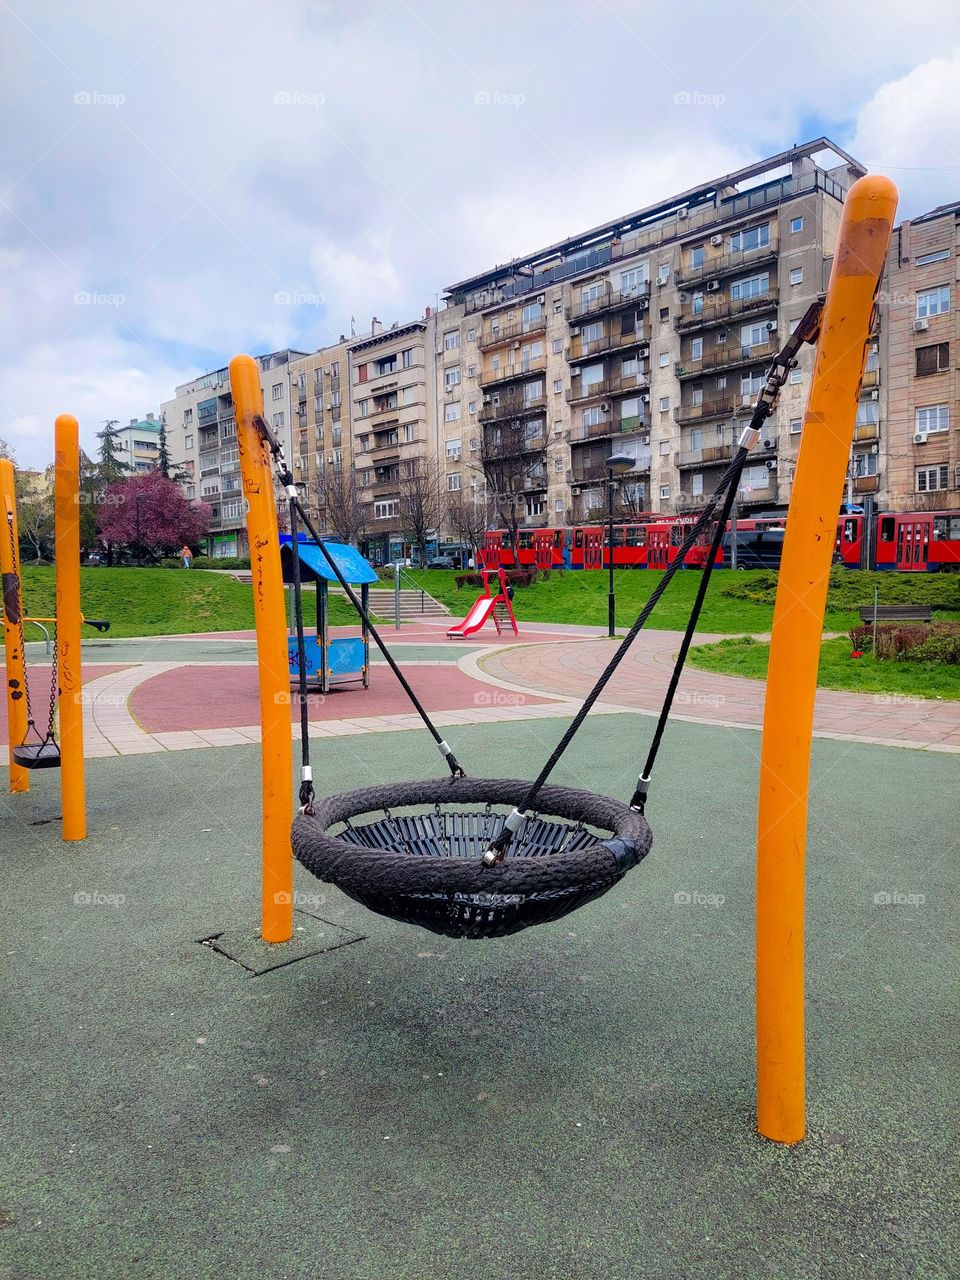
515 578
944 646
914 641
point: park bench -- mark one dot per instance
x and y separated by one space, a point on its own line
895 612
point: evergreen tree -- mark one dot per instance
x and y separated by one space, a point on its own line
112 466
165 465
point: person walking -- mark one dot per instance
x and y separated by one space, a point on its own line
186 555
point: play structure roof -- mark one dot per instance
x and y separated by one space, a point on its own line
313 563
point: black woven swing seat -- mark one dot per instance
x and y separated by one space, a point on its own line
424 865
38 755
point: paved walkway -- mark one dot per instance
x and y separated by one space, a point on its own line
173 693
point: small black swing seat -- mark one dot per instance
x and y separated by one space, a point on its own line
39 755
414 852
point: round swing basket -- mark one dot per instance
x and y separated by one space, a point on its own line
414 852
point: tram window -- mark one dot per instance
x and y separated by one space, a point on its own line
558 538
850 530
946 528
578 538
887 529
635 536
525 541
676 535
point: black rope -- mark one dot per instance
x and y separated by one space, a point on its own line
716 543
455 769
306 776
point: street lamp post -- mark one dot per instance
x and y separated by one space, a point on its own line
137 499
616 464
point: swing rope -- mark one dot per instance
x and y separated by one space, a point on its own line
14 598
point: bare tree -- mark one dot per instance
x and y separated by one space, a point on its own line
422 505
468 516
511 456
346 509
35 518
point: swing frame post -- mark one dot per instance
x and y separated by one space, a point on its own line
276 749
808 544
66 514
16 659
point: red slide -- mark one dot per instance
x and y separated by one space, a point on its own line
480 611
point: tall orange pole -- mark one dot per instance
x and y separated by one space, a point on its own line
16 659
66 516
795 652
276 750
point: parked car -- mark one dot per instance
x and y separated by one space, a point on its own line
443 562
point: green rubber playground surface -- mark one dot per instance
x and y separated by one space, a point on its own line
573 1102
176 650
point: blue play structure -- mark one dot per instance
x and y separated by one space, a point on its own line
330 661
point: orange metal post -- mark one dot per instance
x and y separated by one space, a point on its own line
270 615
15 657
66 514
795 653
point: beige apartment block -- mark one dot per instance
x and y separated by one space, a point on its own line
202 437
648 336
920 407
322 444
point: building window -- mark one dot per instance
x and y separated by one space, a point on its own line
278 391
187 417
634 280
864 464
722 382
796 376
472 406
796 426
531 315
451 412
558 464
796 275
385 510
753 238
590 333
696 349
363 408
407 358
933 302
697 484
697 308
278 421
558 504
592 417
664 314
451 340
664 448
932 418
796 224
664 359
935 359
471 370
557 346
939 256
188 442
932 479
591 292
664 492
451 379
751 287
453 482
557 385
697 396
663 273
387 365
697 256
664 404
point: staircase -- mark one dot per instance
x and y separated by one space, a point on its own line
414 604
502 619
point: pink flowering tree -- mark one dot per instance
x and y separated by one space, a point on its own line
151 512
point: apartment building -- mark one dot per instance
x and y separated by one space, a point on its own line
917 464
394 421
138 444
648 336
202 438
322 444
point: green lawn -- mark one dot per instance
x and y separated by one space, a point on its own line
742 656
582 597
150 602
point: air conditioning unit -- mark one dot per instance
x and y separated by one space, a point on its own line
874 395
575 330
541 298
874 348
298 464
604 406
713 286
644 350
919 437
645 398
771 326
643 303
921 326
716 240
330 459
681 213
721 337
771 464
330 407
874 448
516 346
645 439
769 444
487 399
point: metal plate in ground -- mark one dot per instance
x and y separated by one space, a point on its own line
312 936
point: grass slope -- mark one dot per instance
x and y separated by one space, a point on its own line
150 602
582 597
742 656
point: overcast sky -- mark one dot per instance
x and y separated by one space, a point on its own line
188 180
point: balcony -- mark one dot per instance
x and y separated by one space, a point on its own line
609 427
709 457
611 386
495 377
866 484
727 358
385 488
381 452
749 496
871 378
510 333
728 264
609 302
866 431
516 445
512 407
716 408
579 350
717 309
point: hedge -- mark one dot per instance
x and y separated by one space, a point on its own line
911 642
